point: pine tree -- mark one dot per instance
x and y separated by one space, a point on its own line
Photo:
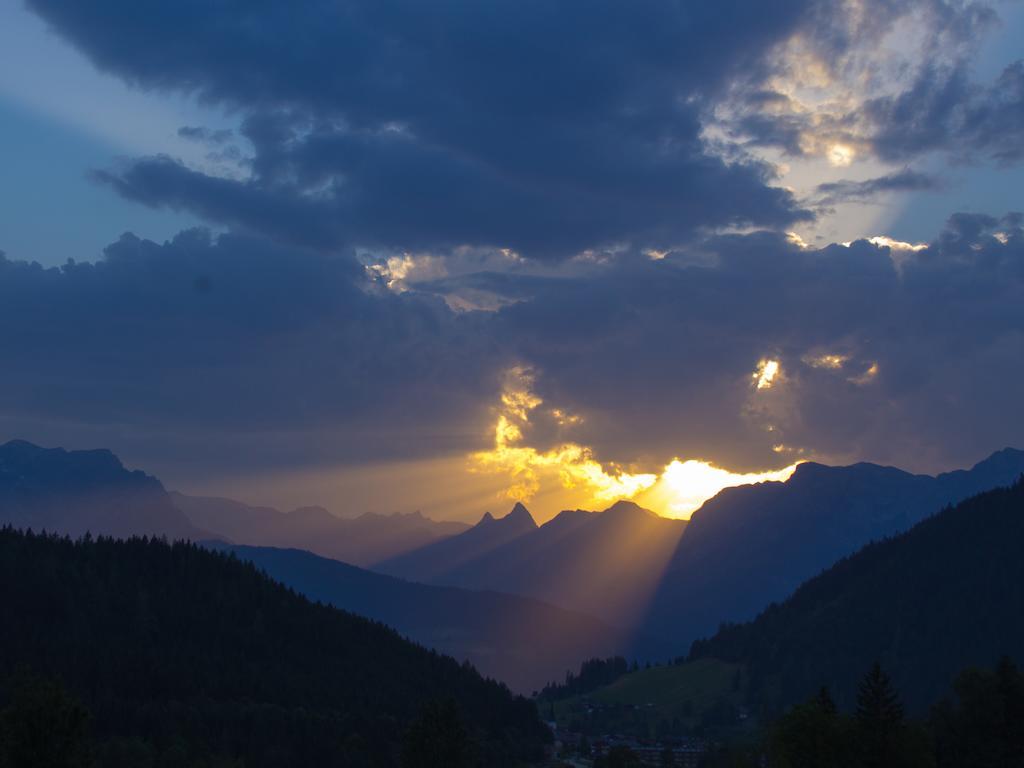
880 719
811 735
584 746
825 702
1010 728
44 727
437 739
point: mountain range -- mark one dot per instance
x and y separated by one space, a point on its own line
521 641
623 580
524 642
925 604
75 492
360 540
605 564
752 545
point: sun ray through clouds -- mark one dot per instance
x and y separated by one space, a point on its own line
677 490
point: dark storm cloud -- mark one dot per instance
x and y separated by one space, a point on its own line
245 355
236 346
550 128
545 127
846 190
163 181
945 110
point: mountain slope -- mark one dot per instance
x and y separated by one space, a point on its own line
606 563
430 563
192 654
361 540
752 545
523 642
945 595
73 492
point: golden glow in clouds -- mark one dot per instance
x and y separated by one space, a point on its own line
840 155
833 362
573 464
685 485
765 374
679 489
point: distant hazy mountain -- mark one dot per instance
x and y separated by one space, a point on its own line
755 544
74 492
945 595
602 563
432 562
362 540
520 641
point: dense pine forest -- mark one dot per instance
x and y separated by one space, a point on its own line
593 674
142 653
944 596
979 724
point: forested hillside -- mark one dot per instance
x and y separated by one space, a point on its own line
755 544
520 641
184 655
944 596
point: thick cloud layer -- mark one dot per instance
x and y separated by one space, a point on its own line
237 346
260 354
944 110
543 127
572 167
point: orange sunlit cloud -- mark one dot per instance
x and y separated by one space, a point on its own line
573 464
765 374
677 491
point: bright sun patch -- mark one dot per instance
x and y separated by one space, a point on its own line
685 485
840 155
765 373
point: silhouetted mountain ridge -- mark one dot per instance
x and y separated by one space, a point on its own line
751 545
190 657
360 540
75 492
429 563
943 596
523 642
604 564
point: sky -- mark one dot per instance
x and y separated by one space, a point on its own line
386 256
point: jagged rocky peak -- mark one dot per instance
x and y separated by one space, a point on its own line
520 515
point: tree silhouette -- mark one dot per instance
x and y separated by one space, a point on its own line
825 704
183 656
884 740
583 749
812 735
618 757
985 728
437 738
44 727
